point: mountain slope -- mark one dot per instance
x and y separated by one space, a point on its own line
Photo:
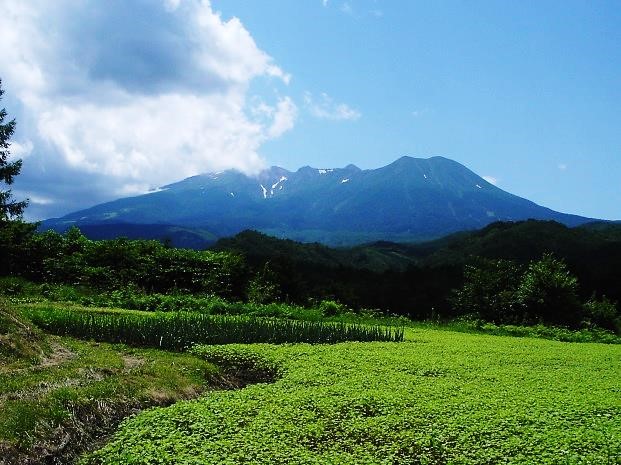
409 200
420 276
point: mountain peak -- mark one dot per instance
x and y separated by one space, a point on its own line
405 159
409 199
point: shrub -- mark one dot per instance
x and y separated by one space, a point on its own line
332 308
490 291
603 313
263 287
111 264
549 292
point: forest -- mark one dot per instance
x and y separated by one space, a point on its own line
523 273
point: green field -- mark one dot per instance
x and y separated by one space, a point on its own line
439 398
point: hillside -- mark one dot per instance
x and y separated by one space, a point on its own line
420 276
522 241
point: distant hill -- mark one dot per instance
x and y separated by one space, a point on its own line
258 248
176 236
411 199
522 241
427 271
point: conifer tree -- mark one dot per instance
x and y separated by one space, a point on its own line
9 208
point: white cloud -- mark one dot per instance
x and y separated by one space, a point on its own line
123 106
491 180
284 117
33 198
347 8
39 200
562 166
20 150
324 2
326 108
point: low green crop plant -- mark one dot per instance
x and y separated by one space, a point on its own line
447 398
584 335
180 330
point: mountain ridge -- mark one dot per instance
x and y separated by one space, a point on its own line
410 199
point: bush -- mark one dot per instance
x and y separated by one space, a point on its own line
490 292
13 286
263 287
548 292
332 308
73 259
603 313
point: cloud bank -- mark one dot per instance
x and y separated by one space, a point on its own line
116 98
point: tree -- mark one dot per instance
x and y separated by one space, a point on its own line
263 287
489 291
9 208
549 292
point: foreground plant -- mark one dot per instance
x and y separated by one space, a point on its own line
448 398
181 330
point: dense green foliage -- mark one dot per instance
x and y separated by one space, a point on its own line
416 281
445 398
133 299
181 330
549 292
490 291
487 266
30 294
542 292
72 258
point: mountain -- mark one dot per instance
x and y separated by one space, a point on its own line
411 199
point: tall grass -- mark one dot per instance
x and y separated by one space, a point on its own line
181 330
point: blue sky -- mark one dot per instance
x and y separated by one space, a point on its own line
114 100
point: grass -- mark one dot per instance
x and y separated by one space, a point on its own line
83 389
181 330
20 341
441 398
60 395
592 334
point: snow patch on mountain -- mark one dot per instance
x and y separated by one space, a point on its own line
282 178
